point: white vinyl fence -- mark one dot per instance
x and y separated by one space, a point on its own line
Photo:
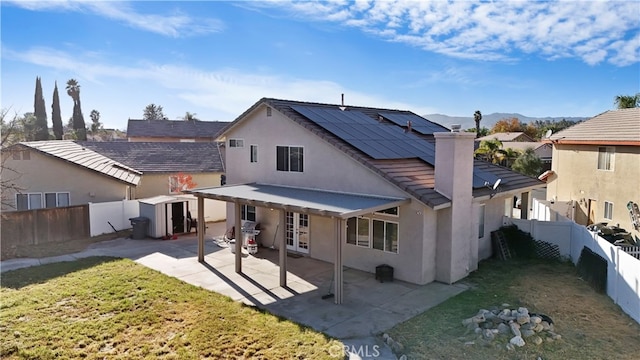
623 271
106 216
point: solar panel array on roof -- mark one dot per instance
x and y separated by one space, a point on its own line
376 139
419 124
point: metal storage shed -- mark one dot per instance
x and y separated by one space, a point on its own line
167 215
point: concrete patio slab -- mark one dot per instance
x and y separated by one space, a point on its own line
370 307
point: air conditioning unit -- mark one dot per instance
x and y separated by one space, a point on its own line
455 128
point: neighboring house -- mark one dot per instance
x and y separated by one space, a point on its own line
543 150
63 173
167 167
364 187
596 165
174 130
507 137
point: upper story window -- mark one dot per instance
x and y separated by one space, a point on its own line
605 157
268 111
56 199
236 143
21 155
290 158
254 153
29 201
608 210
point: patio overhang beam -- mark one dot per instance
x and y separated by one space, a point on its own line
373 209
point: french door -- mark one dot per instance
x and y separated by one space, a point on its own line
297 232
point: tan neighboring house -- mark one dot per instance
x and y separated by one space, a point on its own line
167 168
173 130
596 166
507 137
363 187
63 173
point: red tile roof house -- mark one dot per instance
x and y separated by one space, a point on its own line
362 187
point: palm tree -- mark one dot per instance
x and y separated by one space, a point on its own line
627 101
188 116
73 90
477 117
491 150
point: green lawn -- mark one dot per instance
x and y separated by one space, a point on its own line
103 307
591 325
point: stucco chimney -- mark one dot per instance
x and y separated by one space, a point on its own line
454 179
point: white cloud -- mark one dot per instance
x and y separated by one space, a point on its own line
593 31
174 25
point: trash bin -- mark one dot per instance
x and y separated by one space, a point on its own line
140 226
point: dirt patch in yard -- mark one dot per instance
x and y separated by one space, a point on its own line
591 325
62 248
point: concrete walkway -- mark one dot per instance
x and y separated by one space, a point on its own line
369 307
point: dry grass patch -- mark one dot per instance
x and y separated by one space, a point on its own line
102 307
591 325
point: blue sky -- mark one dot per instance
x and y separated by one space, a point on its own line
217 58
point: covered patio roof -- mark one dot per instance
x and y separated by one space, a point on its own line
303 200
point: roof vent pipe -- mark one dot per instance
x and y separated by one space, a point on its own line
342 107
455 128
408 126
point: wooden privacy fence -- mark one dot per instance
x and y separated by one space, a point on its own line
44 226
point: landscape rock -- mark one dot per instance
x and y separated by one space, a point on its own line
517 341
536 319
527 333
545 326
523 310
503 328
488 334
510 347
536 340
523 318
403 357
515 328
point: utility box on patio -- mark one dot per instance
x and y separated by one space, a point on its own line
384 273
140 226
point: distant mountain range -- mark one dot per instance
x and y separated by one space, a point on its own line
488 120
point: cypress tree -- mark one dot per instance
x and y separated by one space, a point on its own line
40 112
56 118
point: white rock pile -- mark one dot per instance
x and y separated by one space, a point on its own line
516 325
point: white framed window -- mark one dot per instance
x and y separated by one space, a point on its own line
605 157
481 221
373 233
290 158
248 213
268 111
358 230
56 199
29 201
236 143
608 210
254 153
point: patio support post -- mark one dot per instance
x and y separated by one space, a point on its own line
338 227
238 235
201 229
282 244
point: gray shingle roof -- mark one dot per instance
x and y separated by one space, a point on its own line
415 176
611 127
162 157
192 129
77 154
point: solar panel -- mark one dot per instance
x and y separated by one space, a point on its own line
379 140
419 124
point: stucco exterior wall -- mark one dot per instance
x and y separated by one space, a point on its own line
578 178
43 173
